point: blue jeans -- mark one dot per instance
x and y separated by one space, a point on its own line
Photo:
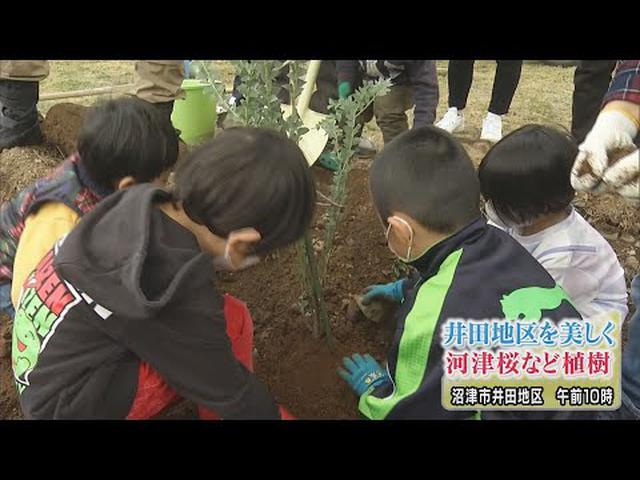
5 300
631 355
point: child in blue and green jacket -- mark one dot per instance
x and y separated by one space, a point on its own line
427 195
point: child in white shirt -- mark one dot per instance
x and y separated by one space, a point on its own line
525 180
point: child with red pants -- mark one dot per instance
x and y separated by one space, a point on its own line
154 395
123 316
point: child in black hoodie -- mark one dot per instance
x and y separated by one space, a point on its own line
122 316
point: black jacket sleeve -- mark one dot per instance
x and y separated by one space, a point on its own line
423 77
348 71
189 347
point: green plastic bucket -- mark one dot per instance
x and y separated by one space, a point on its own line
195 115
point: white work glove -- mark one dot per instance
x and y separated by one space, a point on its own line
623 177
612 131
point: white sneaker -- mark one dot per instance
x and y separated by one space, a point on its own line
453 121
491 128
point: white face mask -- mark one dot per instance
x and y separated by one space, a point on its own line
224 262
407 258
495 218
492 215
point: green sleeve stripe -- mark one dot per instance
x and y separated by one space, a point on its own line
415 344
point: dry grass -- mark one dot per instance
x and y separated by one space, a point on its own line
67 75
543 96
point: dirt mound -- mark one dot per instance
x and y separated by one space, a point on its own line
62 124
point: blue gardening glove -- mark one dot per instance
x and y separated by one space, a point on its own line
392 292
328 160
363 373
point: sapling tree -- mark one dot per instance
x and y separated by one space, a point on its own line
261 107
307 261
343 129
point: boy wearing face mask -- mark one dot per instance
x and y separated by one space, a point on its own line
123 317
427 194
525 179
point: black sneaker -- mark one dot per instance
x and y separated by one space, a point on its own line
20 137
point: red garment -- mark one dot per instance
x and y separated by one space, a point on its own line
154 395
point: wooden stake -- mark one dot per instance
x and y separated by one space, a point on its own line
86 93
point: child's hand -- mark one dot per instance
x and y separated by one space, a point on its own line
612 131
363 373
392 292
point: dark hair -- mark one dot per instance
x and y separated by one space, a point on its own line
427 174
126 137
527 173
249 177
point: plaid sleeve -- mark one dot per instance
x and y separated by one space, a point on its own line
626 83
